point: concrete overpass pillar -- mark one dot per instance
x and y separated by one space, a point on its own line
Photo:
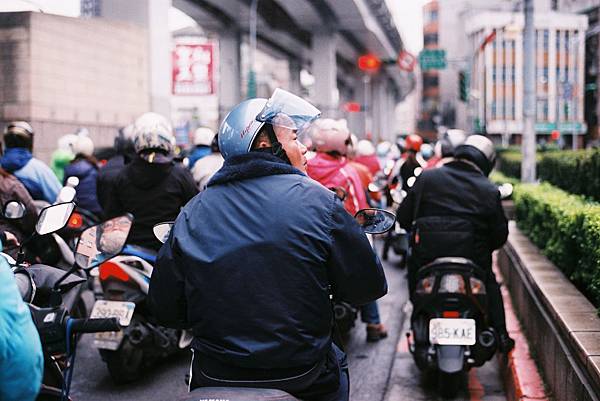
324 68
151 15
357 122
295 68
230 70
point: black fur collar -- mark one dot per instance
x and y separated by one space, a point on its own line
251 165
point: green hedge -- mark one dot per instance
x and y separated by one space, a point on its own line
566 228
509 163
577 172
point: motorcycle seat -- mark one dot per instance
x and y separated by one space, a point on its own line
149 255
237 394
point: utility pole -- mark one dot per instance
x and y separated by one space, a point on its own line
528 144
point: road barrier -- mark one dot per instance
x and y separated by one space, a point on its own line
561 325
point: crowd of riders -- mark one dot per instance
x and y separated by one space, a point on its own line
267 191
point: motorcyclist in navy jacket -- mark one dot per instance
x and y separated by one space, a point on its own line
251 261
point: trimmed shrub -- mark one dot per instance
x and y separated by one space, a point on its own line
577 172
509 163
566 228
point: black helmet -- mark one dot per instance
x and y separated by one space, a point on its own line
480 150
18 134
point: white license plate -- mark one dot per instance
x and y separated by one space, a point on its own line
105 309
452 331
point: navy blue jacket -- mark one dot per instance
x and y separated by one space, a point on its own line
249 261
87 173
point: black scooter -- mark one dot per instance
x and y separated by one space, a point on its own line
43 288
451 329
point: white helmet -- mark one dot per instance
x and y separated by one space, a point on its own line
365 148
330 136
67 142
84 145
153 131
203 136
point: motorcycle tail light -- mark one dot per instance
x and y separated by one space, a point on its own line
110 269
425 285
451 314
452 283
477 286
75 221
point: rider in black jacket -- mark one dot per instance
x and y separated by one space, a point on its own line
151 187
457 212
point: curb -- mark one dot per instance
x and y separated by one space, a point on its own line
522 379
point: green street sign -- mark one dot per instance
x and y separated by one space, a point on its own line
432 59
564 128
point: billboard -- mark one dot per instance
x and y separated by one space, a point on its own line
193 69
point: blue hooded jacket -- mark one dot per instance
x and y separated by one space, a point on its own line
37 177
198 153
21 358
249 263
87 197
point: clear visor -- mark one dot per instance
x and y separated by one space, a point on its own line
287 110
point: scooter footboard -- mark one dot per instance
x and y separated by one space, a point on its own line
450 358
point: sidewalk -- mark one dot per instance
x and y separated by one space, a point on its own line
522 380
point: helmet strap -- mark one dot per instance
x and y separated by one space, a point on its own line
276 147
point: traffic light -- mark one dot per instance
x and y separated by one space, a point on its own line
369 63
463 86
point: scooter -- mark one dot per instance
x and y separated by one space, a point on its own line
125 281
450 327
44 288
372 221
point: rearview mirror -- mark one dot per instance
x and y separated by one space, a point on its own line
375 221
13 210
103 241
162 230
53 218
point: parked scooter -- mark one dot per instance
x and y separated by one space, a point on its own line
125 281
45 289
372 221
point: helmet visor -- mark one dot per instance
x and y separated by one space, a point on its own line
287 110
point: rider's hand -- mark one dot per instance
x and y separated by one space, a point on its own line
11 239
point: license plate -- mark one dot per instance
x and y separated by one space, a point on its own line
105 309
452 331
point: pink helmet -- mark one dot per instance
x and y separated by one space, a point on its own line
329 135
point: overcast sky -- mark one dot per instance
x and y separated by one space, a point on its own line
408 15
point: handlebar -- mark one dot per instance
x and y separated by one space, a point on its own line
94 325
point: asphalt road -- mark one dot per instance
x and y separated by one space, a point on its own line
378 371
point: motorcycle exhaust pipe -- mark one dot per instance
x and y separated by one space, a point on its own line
487 339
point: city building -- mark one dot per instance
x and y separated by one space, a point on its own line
430 80
591 8
496 84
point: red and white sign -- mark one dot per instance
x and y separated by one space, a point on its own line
407 61
193 69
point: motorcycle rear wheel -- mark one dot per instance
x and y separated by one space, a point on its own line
124 364
449 384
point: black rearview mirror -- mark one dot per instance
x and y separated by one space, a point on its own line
103 241
53 218
162 230
13 210
375 221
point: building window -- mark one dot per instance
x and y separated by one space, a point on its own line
433 16
430 39
546 39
